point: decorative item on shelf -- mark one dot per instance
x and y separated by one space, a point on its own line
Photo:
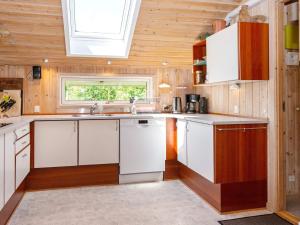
244 15
200 77
291 36
199 62
219 25
202 36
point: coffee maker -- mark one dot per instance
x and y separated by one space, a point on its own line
192 101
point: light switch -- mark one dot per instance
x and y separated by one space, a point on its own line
37 108
292 58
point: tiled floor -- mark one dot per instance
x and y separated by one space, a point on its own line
293 204
164 203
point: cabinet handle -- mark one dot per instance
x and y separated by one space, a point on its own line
24 142
75 126
24 156
244 129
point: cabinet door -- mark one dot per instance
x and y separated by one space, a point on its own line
22 165
222 55
98 142
181 142
55 144
9 168
241 153
1 171
200 149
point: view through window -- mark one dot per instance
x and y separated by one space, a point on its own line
78 90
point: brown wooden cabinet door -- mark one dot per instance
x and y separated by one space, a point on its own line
253 51
240 153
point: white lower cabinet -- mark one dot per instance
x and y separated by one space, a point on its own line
181 142
9 168
55 144
22 165
1 171
200 149
98 142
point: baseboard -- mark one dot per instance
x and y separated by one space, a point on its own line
12 204
172 169
48 178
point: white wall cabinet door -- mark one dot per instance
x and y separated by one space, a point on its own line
181 142
222 55
9 168
1 171
200 149
55 144
98 142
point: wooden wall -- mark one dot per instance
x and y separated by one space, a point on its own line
252 97
292 128
45 92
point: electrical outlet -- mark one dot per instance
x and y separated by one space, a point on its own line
292 178
236 109
37 109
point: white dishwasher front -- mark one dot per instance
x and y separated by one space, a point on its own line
142 146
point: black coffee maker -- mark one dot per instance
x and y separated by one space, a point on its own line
192 102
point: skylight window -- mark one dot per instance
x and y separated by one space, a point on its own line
99 28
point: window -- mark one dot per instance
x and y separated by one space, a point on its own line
115 90
99 28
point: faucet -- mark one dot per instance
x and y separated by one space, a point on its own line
133 106
93 108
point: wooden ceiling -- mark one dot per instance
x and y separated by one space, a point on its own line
165 31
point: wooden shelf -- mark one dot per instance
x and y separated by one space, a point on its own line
199 51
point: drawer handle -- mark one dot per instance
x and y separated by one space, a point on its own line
24 156
24 130
244 129
24 142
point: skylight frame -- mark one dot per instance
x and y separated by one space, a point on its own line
96 46
120 36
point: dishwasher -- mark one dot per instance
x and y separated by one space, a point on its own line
142 150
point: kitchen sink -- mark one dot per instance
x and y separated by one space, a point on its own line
91 115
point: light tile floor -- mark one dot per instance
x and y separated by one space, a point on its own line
163 203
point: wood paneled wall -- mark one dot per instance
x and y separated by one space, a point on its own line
251 99
292 129
45 92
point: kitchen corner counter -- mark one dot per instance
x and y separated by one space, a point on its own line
211 119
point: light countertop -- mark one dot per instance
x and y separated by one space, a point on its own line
211 119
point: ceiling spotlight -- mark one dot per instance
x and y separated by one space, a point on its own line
45 60
165 63
109 62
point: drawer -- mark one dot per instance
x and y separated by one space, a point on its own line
22 165
22 143
22 131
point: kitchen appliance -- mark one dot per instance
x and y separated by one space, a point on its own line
177 105
203 105
192 101
142 150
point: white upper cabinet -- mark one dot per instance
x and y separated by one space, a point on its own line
55 144
98 142
181 142
239 52
9 168
1 171
222 55
200 149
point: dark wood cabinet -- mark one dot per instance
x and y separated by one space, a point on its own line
240 153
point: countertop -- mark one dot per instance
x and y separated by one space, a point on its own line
211 119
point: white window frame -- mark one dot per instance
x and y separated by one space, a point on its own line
63 78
